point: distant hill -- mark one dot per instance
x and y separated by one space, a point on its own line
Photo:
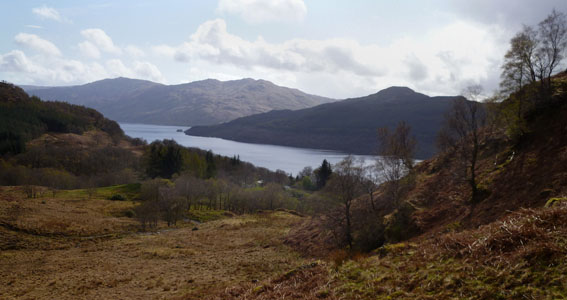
23 118
349 125
204 102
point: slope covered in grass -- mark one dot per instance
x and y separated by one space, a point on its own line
70 246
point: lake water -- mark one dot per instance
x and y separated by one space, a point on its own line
291 160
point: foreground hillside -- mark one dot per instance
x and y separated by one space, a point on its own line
437 243
349 125
197 103
73 245
522 256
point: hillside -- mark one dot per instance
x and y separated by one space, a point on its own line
438 244
23 118
512 173
349 125
197 103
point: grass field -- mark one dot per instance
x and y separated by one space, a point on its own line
71 246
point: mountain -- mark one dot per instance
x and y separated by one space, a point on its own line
203 102
348 125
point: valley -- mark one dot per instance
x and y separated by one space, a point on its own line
128 172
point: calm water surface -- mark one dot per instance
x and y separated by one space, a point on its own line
291 160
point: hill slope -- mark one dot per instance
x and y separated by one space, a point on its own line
23 118
438 244
197 103
349 125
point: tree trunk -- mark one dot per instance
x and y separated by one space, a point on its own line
348 225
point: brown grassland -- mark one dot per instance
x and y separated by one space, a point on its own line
68 246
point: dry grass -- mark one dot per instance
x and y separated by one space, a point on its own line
55 258
62 216
519 257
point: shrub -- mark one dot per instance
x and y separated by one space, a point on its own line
117 197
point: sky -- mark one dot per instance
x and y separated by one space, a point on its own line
337 49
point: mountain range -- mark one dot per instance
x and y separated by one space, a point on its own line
203 102
349 125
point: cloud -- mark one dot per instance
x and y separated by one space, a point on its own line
98 38
57 70
212 42
36 43
416 69
134 51
89 50
48 13
15 61
139 69
506 13
116 68
47 71
148 71
440 62
260 11
34 26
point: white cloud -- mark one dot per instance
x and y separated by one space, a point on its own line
259 11
116 68
134 51
34 26
139 69
97 37
15 61
48 71
163 50
146 70
24 69
440 62
212 42
36 43
89 50
49 13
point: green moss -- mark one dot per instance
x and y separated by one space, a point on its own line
324 293
454 226
206 215
128 191
555 201
259 289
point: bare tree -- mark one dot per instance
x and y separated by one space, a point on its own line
345 186
171 205
462 133
534 55
370 182
273 192
553 39
396 151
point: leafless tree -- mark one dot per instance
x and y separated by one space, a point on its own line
553 42
370 182
534 55
396 151
345 186
462 133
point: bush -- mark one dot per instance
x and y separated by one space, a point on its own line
117 197
129 213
